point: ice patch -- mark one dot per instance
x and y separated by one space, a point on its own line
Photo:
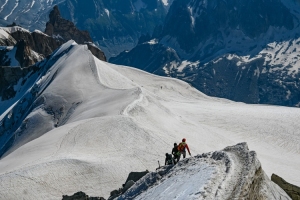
32 3
4 34
107 12
165 2
256 72
11 57
152 42
40 32
186 64
3 5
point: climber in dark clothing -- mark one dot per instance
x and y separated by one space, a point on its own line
169 159
175 153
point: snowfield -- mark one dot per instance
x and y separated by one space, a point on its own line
93 122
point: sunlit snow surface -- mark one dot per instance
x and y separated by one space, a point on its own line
121 119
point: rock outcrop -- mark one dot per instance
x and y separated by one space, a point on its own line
21 50
292 190
65 30
130 181
96 51
24 54
30 47
38 41
10 76
81 196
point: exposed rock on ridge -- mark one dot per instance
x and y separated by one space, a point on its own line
235 173
39 42
81 196
23 49
26 42
292 190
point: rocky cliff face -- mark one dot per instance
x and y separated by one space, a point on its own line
38 41
11 76
29 45
240 50
64 30
20 51
116 26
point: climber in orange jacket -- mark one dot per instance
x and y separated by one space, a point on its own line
181 149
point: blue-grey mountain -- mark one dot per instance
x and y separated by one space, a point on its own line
241 50
114 26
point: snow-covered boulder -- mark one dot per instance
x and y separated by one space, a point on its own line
232 173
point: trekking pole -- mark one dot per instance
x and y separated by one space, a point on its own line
158 165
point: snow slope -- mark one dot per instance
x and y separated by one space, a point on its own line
91 123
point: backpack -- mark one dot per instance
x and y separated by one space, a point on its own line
181 146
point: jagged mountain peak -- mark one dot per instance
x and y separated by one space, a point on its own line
54 14
65 30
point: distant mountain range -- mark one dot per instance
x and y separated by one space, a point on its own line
241 50
114 26
245 51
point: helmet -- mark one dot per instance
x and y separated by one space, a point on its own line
175 144
183 140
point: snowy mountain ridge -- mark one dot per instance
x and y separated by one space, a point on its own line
81 124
